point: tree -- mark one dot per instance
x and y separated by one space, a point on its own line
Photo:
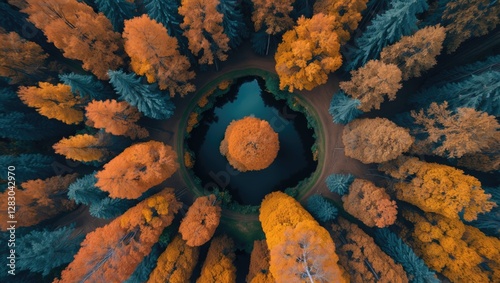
79 32
83 190
322 209
28 166
401 253
137 169
45 250
201 220
362 258
370 83
83 148
20 60
218 266
370 204
233 22
375 140
301 250
386 28
117 11
176 263
438 188
39 200
490 222
144 269
466 19
339 183
259 264
111 253
344 109
453 135
108 208
53 101
28 126
155 54
117 118
146 98
273 15
203 27
417 53
85 86
250 144
308 53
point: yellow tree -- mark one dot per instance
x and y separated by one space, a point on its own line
20 59
370 83
156 55
176 263
308 53
203 28
259 264
201 220
83 148
438 188
274 15
79 32
53 101
218 266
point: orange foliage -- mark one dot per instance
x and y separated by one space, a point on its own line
224 85
308 53
275 15
188 160
112 253
438 188
38 200
370 83
218 266
203 100
192 121
117 118
83 148
259 264
20 59
362 258
250 144
79 32
203 28
53 101
138 168
201 220
176 263
370 204
155 54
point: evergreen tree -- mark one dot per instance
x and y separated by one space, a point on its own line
322 209
117 11
28 166
233 22
414 266
86 86
344 109
435 14
84 191
261 42
45 250
339 183
399 20
141 273
28 126
109 208
490 222
145 97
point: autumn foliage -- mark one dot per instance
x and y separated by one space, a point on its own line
155 54
111 253
218 266
273 15
259 264
250 144
83 148
201 220
137 169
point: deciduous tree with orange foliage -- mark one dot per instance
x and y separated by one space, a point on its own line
201 220
370 204
138 168
375 140
308 53
274 15
117 118
85 148
438 188
259 264
20 60
362 258
79 32
155 54
218 266
176 263
53 101
370 83
301 250
203 28
39 200
460 252
112 253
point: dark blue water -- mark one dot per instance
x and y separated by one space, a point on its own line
247 97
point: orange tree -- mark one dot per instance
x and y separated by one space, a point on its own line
201 220
259 264
218 266
83 148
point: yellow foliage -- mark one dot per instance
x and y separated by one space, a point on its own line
83 148
218 266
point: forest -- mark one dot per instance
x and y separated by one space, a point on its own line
258 141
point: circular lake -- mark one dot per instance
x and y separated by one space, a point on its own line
247 97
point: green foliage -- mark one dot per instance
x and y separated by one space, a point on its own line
110 207
28 166
339 183
117 11
233 22
343 108
85 86
83 190
321 208
490 222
